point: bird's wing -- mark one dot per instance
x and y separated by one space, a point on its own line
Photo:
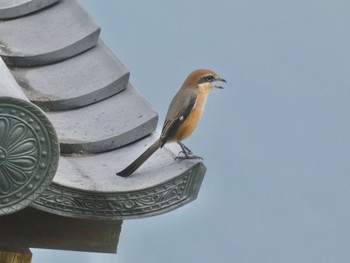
178 112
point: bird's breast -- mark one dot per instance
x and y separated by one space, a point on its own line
187 127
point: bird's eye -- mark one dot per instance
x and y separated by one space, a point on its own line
209 78
206 78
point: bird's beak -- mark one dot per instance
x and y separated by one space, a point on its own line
218 86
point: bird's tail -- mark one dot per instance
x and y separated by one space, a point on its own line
140 160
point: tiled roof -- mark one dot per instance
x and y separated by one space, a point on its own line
16 8
54 52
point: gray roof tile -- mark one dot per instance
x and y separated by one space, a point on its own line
90 77
86 186
101 121
8 85
16 8
111 123
43 38
29 149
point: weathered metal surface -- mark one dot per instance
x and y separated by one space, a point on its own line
58 32
37 229
88 78
87 186
29 147
16 8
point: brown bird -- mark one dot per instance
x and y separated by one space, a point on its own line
183 115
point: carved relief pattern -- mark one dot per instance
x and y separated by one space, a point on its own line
147 202
28 149
18 154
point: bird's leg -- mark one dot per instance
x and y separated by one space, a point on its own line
184 148
187 152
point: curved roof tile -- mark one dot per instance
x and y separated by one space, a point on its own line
102 122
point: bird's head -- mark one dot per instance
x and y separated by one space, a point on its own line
203 78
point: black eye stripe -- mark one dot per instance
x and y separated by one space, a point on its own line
207 78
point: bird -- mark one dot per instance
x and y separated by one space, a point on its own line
184 113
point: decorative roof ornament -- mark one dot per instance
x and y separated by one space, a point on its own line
70 118
29 149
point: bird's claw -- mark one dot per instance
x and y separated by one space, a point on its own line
187 155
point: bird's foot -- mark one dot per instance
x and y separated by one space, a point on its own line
185 155
185 149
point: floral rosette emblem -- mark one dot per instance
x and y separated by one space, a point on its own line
29 153
18 155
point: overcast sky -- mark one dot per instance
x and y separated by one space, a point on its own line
275 141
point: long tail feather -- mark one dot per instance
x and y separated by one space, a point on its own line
140 160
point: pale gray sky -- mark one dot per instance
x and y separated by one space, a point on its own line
276 140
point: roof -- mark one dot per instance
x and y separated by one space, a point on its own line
54 51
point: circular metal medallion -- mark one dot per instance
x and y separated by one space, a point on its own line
29 153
